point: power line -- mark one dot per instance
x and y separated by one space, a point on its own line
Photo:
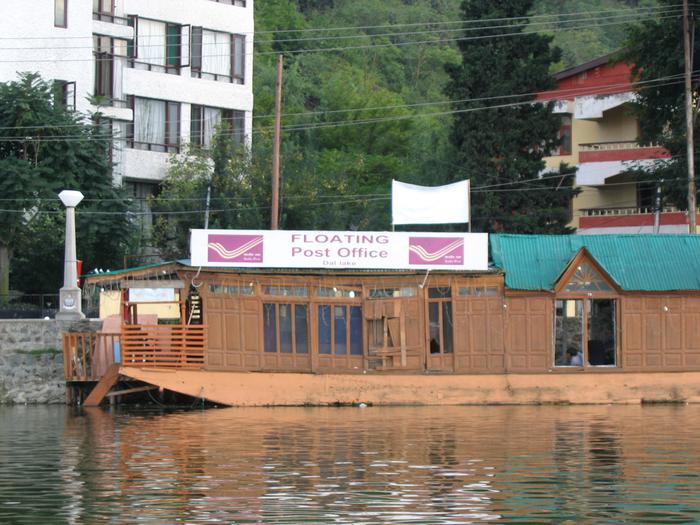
653 83
602 12
355 198
597 90
301 127
593 18
345 48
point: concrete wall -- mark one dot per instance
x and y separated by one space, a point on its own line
31 359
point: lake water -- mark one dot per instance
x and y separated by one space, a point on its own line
430 465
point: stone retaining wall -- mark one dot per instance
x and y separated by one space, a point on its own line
31 359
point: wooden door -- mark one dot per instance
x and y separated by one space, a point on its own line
234 325
394 335
479 328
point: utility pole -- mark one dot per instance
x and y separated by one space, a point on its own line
274 221
689 122
657 208
207 203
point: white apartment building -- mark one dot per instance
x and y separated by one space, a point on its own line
163 72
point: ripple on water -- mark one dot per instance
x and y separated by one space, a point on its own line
341 465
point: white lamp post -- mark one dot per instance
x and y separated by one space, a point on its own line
69 295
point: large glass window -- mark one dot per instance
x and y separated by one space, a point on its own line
285 328
601 332
205 121
568 348
158 46
156 125
585 332
218 56
339 330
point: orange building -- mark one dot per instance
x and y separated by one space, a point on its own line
565 319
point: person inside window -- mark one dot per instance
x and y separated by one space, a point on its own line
574 356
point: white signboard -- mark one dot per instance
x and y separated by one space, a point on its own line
411 204
151 295
329 249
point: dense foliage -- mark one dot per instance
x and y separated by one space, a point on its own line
368 103
500 141
44 149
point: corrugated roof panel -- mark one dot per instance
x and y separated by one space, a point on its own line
635 262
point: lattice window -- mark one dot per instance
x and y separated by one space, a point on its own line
587 279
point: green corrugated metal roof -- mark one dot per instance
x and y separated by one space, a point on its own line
635 262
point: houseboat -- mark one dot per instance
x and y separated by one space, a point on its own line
520 319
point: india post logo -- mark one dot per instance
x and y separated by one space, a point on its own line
235 248
436 250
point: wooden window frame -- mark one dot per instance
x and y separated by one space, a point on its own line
133 62
196 52
440 301
228 116
293 311
348 305
560 294
167 147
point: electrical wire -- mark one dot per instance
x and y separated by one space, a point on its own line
602 12
301 127
525 24
356 47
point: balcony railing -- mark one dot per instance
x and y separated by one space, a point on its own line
110 18
86 356
164 346
613 146
628 210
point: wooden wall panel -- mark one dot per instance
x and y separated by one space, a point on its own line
660 333
529 326
479 334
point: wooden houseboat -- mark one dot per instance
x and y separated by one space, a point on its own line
552 319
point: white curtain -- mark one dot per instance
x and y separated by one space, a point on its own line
149 121
151 42
212 118
216 53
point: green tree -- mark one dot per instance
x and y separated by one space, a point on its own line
238 185
499 143
655 49
43 149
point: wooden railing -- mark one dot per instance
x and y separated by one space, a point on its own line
163 346
86 356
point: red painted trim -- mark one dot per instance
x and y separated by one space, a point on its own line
642 219
623 154
598 80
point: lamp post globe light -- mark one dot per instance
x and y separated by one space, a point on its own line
70 296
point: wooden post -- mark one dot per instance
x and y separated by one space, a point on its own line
689 122
274 221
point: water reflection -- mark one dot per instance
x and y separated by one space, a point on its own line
375 465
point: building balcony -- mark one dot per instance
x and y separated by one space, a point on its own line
632 220
619 151
110 18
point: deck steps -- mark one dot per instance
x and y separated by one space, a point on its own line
102 388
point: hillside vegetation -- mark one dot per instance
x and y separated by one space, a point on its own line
364 93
